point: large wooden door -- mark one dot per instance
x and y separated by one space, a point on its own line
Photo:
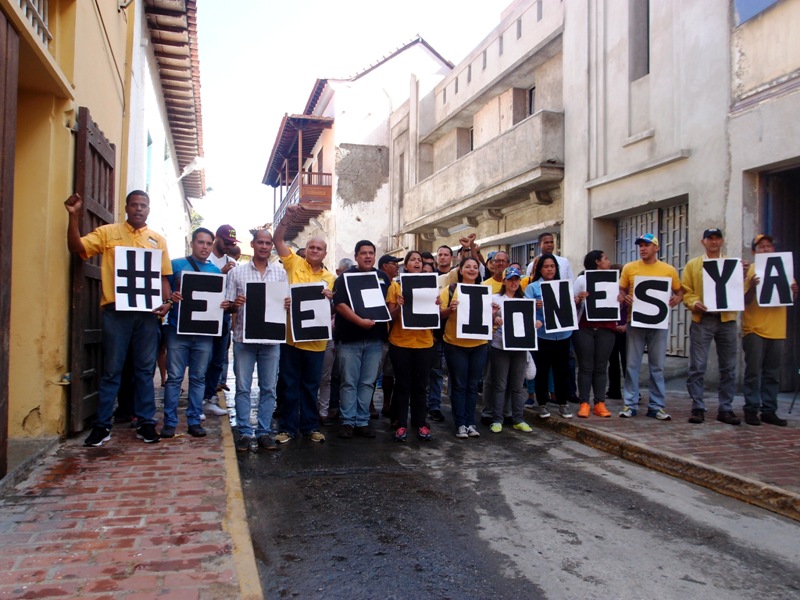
9 65
94 181
781 219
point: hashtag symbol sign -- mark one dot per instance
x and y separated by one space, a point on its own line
138 282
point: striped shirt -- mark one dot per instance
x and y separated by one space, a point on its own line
238 278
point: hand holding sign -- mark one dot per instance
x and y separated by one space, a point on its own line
773 272
723 286
419 301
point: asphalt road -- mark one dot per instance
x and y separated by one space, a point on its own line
508 515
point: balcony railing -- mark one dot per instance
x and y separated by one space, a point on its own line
312 191
527 157
36 12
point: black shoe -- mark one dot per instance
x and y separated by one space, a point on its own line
614 395
698 416
97 437
487 420
729 418
773 419
194 431
366 431
346 432
266 442
436 415
326 421
167 432
375 415
147 433
751 418
243 443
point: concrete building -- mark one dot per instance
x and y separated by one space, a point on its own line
604 120
67 124
333 158
483 152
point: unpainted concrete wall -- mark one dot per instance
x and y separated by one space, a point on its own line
361 171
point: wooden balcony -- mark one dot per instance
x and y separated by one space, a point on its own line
313 193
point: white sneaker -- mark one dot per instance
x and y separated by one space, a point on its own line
202 416
214 409
462 432
543 412
472 432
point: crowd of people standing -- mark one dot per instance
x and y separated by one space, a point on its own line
310 384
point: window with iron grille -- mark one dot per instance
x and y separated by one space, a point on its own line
671 225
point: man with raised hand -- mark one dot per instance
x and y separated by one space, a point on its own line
123 329
648 265
301 362
707 326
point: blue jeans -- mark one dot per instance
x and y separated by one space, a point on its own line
436 377
466 369
726 336
266 357
762 373
656 342
219 359
139 332
301 371
358 371
193 351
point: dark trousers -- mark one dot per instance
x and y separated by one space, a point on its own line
552 355
301 371
219 357
616 366
412 366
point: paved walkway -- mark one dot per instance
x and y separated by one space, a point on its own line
133 521
130 521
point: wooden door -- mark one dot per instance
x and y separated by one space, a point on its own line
9 65
94 181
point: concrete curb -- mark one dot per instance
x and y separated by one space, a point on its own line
737 486
235 522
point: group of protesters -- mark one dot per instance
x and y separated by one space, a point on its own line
304 377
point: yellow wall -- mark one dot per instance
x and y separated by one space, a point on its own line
91 45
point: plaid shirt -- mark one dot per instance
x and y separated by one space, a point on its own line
238 278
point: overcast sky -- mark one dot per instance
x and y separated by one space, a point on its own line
259 59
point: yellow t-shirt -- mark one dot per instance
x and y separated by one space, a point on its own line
106 238
494 284
299 271
638 268
406 338
765 321
450 326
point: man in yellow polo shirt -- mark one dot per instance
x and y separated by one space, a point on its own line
301 362
763 332
122 329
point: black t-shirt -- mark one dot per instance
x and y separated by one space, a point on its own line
347 331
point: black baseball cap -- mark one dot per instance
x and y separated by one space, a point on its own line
388 258
712 231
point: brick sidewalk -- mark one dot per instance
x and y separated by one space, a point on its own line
125 521
743 461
